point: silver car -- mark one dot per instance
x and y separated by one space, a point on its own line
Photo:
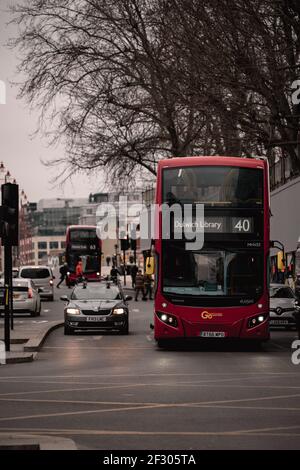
26 297
282 306
42 277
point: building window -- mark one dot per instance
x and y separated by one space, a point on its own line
42 254
63 244
42 245
53 245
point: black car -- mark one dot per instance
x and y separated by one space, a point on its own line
97 306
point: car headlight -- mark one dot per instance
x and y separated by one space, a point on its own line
73 311
118 311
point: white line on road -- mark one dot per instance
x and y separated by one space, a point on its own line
106 432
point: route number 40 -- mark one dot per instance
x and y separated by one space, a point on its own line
243 225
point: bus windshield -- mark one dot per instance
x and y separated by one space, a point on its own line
211 272
90 263
211 185
77 235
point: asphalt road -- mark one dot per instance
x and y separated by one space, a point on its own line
121 392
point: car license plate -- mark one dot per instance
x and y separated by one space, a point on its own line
96 319
279 322
212 334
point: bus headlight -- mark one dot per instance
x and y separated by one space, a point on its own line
118 311
73 311
257 320
168 319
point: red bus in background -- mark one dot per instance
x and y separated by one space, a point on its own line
220 290
83 243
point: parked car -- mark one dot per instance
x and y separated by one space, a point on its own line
42 277
97 306
26 297
282 306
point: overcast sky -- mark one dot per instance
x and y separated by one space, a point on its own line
21 153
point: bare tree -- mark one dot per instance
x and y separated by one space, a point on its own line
127 82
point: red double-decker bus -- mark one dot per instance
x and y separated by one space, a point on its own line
82 243
218 290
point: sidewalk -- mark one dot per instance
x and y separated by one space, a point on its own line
19 441
26 340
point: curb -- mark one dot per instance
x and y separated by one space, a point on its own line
19 357
35 343
19 441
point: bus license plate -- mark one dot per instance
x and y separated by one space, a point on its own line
212 334
96 319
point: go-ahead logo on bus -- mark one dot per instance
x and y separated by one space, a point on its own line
209 315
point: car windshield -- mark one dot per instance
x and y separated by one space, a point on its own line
213 185
35 273
281 293
211 272
101 292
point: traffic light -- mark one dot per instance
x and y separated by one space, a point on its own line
133 244
124 244
10 214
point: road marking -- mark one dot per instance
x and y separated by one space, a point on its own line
73 389
135 310
137 408
82 402
175 374
116 403
106 432
202 384
97 337
76 413
46 310
93 347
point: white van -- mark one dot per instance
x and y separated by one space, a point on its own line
42 277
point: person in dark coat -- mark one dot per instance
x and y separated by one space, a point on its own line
133 272
63 274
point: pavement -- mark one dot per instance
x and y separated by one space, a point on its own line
109 391
19 441
27 339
